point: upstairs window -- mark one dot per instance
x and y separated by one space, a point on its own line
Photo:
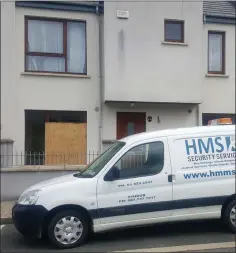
55 46
216 52
174 31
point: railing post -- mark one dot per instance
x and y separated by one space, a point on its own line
30 157
43 154
34 158
16 160
21 158
26 158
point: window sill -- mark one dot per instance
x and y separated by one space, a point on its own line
217 75
174 43
53 74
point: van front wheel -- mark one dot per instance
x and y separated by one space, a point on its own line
230 216
68 229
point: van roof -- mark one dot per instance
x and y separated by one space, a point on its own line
178 131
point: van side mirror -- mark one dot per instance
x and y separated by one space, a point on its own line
113 174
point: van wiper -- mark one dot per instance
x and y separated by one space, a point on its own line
77 174
80 175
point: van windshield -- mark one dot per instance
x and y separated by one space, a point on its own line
97 165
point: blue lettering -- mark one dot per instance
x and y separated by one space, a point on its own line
220 145
212 173
187 176
218 156
189 146
208 148
228 141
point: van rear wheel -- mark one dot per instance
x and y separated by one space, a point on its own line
230 216
68 229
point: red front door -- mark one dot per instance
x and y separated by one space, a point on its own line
129 123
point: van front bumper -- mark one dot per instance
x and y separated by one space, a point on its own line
28 219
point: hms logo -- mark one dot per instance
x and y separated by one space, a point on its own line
210 145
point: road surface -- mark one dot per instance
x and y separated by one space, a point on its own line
207 236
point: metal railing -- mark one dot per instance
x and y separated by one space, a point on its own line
43 159
129 160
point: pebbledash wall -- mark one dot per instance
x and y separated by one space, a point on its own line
21 91
140 65
163 117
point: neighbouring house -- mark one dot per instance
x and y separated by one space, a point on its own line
75 76
50 80
161 68
219 19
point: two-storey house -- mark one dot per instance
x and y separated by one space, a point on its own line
49 80
167 65
153 58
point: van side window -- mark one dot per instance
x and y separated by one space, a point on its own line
143 160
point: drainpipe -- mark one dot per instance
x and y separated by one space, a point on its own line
100 55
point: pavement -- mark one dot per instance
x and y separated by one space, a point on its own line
204 236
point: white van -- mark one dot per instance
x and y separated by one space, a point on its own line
148 178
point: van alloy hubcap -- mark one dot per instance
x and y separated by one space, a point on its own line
68 230
233 215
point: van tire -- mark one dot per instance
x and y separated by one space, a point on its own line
226 217
68 220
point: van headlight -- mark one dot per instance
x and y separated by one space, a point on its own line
29 198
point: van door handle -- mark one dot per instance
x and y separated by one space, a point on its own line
170 178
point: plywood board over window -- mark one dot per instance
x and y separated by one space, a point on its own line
65 143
